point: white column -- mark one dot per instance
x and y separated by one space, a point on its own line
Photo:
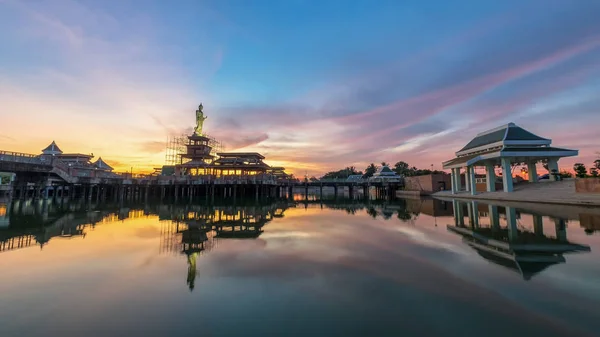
494 217
472 180
538 225
467 185
474 215
561 229
490 177
507 175
532 172
455 211
511 223
453 180
458 182
552 165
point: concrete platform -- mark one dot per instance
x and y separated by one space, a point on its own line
556 192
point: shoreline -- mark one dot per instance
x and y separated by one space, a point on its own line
555 193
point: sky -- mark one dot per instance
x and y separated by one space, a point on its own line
312 85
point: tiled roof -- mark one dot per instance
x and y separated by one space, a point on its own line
508 132
518 133
101 165
52 149
485 139
241 154
534 149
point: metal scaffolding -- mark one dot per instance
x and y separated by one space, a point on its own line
175 147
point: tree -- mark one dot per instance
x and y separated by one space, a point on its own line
401 168
341 174
370 170
385 164
565 174
313 179
594 172
597 164
545 165
580 170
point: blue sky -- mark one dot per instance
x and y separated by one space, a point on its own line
313 85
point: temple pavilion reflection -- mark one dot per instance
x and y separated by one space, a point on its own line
194 230
28 223
510 244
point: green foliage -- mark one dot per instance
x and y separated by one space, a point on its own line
565 174
597 164
370 170
341 174
594 172
580 170
402 168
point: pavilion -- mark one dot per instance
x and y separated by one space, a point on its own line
504 146
197 154
79 164
385 174
239 163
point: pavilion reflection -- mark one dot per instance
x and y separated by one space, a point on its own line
28 223
512 246
194 230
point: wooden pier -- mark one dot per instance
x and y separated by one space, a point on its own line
40 177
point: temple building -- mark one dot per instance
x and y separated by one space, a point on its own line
239 163
198 160
384 173
79 164
197 155
504 146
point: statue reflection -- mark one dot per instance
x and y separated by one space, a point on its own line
512 246
197 229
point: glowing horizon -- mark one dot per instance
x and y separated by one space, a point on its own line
312 92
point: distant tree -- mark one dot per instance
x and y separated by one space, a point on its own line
594 172
580 170
313 178
341 174
372 212
565 174
597 164
401 168
404 215
545 165
370 170
385 164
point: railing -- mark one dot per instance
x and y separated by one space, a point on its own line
17 157
60 164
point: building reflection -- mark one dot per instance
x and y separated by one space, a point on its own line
28 223
497 235
197 229
193 229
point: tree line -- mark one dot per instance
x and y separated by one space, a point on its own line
401 168
582 172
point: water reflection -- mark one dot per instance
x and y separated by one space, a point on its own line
497 235
350 267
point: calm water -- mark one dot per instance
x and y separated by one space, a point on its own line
288 268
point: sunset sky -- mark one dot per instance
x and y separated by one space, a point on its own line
312 85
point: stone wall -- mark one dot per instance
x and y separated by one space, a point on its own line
428 184
587 185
